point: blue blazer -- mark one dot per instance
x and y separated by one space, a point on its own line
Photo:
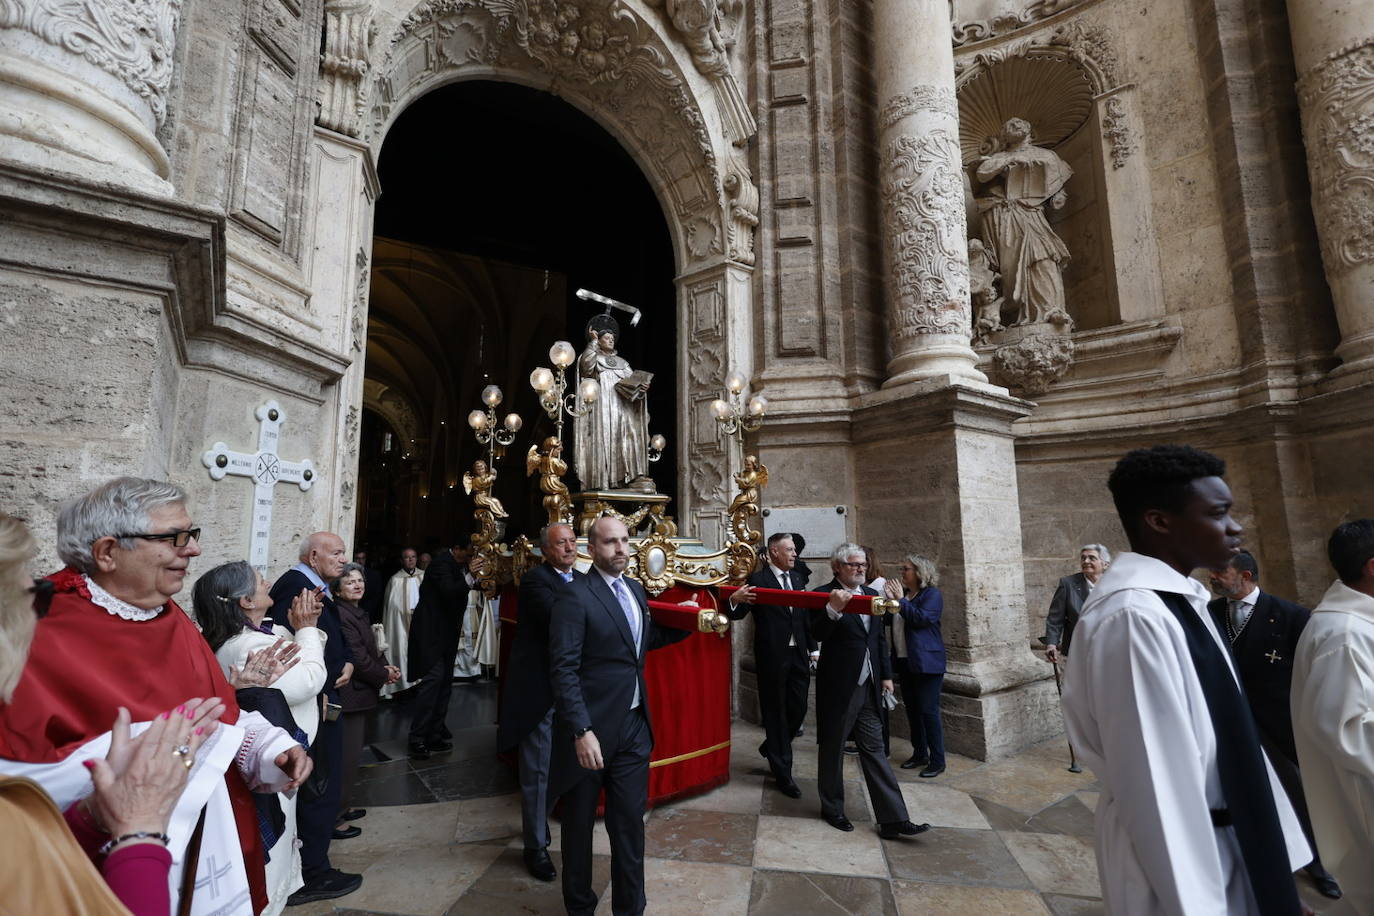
925 647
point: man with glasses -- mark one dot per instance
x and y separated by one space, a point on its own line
112 638
853 675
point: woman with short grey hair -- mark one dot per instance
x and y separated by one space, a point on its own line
918 659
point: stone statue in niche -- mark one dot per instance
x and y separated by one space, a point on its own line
611 448
987 305
1020 179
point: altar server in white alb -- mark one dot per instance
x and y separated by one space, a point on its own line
1192 819
1333 715
402 594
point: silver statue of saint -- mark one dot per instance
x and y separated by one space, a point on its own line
611 447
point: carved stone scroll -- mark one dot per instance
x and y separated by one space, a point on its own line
348 34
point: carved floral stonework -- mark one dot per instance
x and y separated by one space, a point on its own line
923 211
348 37
1035 361
1090 46
1337 102
742 198
938 99
132 40
611 58
1115 132
1004 23
360 302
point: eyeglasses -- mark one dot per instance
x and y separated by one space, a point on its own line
42 596
178 538
855 565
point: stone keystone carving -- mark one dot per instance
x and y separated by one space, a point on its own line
132 40
1034 358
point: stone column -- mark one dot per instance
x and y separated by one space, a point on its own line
1333 49
83 88
925 240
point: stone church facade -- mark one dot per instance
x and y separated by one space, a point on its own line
186 199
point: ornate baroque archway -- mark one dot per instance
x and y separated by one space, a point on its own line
657 77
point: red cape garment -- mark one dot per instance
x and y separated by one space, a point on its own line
86 662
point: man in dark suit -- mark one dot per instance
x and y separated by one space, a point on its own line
854 673
433 646
598 635
1263 631
1069 598
374 588
322 558
527 698
782 657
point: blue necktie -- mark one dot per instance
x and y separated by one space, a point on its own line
631 609
567 576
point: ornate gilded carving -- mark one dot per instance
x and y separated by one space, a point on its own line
132 40
1337 102
478 484
548 462
923 209
348 36
752 478
1115 132
1004 23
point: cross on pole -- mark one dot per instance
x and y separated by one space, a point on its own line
267 470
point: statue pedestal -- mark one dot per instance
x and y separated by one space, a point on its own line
633 507
937 476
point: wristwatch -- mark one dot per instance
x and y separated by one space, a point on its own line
581 731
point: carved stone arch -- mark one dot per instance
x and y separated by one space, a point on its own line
612 63
648 73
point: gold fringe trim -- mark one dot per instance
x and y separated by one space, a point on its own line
689 755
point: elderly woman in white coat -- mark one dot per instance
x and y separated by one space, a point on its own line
231 603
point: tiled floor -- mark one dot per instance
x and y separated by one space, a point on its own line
1012 837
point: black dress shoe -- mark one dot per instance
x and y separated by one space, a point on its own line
540 865
352 814
901 828
1326 884
839 822
331 884
851 748
913 762
418 751
789 788
346 833
932 771
438 747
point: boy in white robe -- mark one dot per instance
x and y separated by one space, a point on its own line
1333 714
1136 710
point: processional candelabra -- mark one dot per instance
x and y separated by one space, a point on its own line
736 417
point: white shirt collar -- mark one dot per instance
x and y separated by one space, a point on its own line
118 607
610 579
1251 598
779 574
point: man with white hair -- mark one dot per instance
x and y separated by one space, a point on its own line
854 667
322 559
113 640
1069 598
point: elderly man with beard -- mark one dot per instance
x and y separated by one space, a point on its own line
853 675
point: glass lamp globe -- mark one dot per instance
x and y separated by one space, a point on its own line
541 380
513 422
477 419
589 390
720 409
735 382
658 443
491 395
562 354
758 405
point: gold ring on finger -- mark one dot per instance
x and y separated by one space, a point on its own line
182 751
189 761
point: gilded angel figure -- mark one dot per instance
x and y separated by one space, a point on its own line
478 483
551 467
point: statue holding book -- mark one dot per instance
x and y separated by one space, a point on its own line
611 451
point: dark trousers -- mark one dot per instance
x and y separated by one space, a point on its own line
315 817
782 706
535 803
352 751
921 694
626 781
861 720
432 699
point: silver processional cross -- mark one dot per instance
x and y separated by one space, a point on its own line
267 470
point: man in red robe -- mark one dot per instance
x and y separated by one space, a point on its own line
113 637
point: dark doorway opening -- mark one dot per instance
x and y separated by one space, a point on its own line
498 202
